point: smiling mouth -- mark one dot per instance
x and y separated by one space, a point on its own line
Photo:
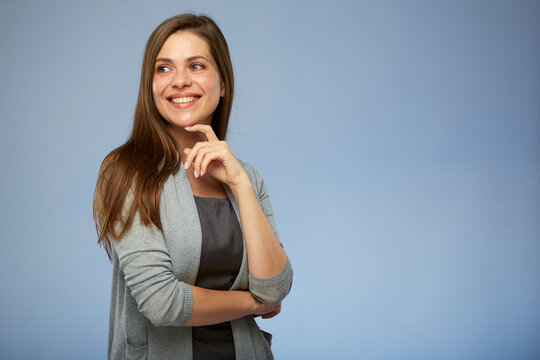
184 100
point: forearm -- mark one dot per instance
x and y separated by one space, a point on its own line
215 306
266 256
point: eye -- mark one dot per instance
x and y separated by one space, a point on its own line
163 69
197 67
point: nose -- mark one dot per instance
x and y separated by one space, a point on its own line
181 79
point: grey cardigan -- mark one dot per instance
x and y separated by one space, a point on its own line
151 300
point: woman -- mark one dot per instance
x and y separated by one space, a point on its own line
188 227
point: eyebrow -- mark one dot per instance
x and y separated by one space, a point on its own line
191 58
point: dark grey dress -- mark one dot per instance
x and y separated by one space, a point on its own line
221 258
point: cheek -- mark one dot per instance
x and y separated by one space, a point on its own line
155 95
216 87
158 86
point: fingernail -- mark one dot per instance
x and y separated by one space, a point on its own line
201 173
195 172
187 127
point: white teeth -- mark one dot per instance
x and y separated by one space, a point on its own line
183 100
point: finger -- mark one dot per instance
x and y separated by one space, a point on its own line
209 156
269 315
186 153
206 152
206 129
201 154
192 153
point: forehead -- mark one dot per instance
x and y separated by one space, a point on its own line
184 44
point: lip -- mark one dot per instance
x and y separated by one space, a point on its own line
181 95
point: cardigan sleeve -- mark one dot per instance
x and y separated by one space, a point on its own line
145 262
268 290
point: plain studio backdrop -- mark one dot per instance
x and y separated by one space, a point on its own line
399 140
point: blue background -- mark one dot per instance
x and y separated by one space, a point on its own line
400 141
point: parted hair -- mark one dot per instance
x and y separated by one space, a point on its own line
143 163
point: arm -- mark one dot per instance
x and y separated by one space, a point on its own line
212 306
270 272
147 268
165 301
215 306
266 257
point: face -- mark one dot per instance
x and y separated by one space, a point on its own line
186 86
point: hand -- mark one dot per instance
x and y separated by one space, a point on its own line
272 313
214 157
268 311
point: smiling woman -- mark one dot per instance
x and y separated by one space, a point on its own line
184 62
195 253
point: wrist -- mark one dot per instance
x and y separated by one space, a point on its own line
240 185
251 304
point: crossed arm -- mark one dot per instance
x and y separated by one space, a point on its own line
165 301
266 257
266 260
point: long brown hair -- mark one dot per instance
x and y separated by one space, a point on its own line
150 155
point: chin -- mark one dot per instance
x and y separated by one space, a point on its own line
182 123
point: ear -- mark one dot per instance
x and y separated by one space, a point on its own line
222 94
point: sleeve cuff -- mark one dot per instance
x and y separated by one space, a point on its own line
188 303
272 290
